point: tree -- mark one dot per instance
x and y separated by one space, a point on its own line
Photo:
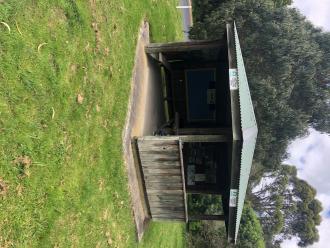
205 204
281 3
213 234
250 233
287 207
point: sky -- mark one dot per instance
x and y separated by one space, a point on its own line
311 154
317 11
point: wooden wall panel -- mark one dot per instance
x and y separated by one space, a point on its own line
162 172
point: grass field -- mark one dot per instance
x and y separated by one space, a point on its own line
65 70
164 235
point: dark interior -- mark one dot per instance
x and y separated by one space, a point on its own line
191 93
207 169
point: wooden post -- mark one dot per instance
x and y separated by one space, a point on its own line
183 180
206 138
139 173
182 46
190 138
176 123
204 131
164 62
233 83
234 185
204 191
206 217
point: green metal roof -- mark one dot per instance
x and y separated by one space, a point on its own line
249 131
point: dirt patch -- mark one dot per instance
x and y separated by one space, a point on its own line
3 187
80 98
97 35
24 161
5 243
95 26
23 164
19 190
56 18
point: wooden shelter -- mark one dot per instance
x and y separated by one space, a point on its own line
206 143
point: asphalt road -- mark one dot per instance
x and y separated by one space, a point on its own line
187 17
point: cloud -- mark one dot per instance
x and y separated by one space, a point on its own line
311 155
317 11
292 243
325 199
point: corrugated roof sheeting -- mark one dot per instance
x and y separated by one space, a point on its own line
249 130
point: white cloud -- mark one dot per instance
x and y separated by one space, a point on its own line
317 11
292 243
311 155
325 199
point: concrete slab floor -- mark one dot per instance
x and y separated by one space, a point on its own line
144 116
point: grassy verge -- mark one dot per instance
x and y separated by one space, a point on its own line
65 70
164 235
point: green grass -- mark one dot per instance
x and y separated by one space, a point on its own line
74 192
164 235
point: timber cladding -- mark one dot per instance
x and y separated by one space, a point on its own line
163 177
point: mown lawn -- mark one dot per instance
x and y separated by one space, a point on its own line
65 70
164 235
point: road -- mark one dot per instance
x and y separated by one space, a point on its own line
187 17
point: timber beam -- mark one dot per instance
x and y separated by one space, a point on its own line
206 217
182 46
